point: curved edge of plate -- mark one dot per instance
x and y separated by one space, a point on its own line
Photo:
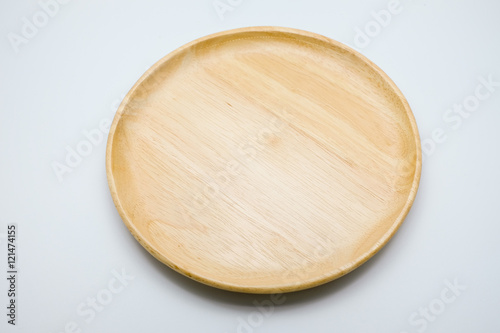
335 274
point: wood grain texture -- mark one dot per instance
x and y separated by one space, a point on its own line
263 159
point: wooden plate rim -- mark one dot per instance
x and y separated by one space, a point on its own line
335 273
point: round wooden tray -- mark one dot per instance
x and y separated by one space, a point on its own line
263 159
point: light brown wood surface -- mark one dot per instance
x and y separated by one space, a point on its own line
263 160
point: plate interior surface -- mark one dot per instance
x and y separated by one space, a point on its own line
263 160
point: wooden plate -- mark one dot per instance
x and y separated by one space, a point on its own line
263 159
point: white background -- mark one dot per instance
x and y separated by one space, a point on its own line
72 73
